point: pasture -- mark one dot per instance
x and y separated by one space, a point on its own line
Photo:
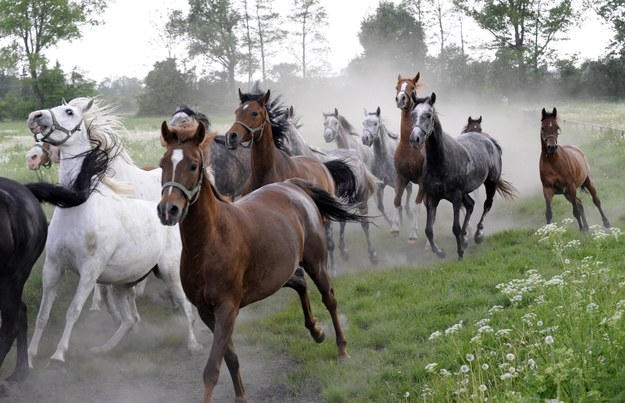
391 312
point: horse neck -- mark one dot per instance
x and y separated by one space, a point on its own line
70 159
405 127
201 220
345 139
264 156
435 146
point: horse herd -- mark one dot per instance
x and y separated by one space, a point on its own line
116 223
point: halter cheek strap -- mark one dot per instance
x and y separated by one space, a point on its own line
252 131
192 195
57 126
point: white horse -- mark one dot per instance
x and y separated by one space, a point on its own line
111 238
337 128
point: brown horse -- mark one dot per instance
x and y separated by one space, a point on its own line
238 253
563 169
408 160
270 164
474 126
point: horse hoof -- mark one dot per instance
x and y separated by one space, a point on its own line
412 240
56 365
97 350
479 238
394 233
195 347
465 242
19 375
373 258
441 253
6 390
345 255
317 334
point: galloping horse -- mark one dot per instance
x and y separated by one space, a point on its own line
111 238
270 164
454 168
274 230
232 167
563 169
337 128
24 230
475 126
366 182
408 160
384 143
42 155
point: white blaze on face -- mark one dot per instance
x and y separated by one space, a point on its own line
403 86
176 157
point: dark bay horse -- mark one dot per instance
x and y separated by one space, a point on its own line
24 231
473 125
453 168
564 169
408 160
271 164
274 230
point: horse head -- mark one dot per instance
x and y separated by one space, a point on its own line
57 125
251 118
549 130
331 125
371 127
184 114
423 119
406 87
474 125
182 169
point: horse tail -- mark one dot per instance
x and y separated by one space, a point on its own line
507 190
328 205
344 180
95 164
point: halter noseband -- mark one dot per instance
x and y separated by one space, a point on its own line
192 195
260 129
57 126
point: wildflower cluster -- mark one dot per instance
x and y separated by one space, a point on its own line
555 340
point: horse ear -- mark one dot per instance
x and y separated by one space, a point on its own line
416 78
88 106
398 77
544 114
377 112
469 120
336 111
433 98
200 134
166 134
266 97
555 112
240 95
63 101
479 120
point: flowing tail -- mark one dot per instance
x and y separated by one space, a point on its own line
329 206
95 164
346 186
507 190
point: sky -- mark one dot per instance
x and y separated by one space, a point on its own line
127 43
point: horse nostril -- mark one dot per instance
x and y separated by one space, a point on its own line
173 211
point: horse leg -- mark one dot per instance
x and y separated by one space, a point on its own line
430 206
412 237
51 276
320 277
86 283
342 247
13 326
407 209
468 203
490 188
400 186
222 325
578 209
548 195
373 257
589 186
298 283
380 201
456 229
168 272
330 245
122 295
96 300
111 308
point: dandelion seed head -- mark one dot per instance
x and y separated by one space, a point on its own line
470 357
464 368
549 340
485 366
510 357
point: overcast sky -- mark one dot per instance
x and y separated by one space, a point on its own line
127 44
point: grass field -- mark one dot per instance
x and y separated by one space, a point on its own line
532 314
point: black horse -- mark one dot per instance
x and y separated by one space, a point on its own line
23 234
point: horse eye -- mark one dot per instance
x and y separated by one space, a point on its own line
193 167
255 114
69 112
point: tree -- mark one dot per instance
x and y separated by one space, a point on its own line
269 33
165 88
523 29
613 12
392 36
35 25
122 91
250 41
211 26
310 18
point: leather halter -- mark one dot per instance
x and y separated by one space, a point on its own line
48 153
252 131
192 195
57 126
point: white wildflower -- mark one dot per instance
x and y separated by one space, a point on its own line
406 395
503 332
506 375
470 357
482 388
464 368
444 372
510 357
485 329
430 367
435 335
592 307
531 363
485 366
549 339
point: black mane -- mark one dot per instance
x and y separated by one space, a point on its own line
278 115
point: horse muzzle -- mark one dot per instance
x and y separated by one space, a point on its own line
416 137
551 149
328 135
401 101
232 140
367 139
168 213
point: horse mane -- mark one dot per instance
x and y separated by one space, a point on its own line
348 126
383 127
277 113
199 116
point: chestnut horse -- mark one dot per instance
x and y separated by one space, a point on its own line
408 160
563 169
270 164
238 253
